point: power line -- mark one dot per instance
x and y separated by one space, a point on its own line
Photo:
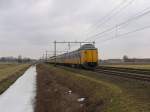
109 16
124 34
111 11
137 16
123 23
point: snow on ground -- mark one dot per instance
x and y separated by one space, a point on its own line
20 96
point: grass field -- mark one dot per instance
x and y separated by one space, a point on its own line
9 73
132 95
136 66
104 94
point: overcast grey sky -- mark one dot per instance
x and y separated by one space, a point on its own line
28 27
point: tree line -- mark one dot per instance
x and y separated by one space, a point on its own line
19 59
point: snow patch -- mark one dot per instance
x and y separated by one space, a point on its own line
19 97
81 99
69 92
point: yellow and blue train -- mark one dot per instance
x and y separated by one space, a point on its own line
86 56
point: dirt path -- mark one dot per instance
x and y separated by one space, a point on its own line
54 97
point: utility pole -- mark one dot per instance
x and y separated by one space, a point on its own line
55 51
69 45
43 57
46 56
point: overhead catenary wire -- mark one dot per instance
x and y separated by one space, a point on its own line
123 23
110 14
137 16
128 33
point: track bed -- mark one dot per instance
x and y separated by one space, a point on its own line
139 74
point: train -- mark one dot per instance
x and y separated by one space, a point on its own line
86 57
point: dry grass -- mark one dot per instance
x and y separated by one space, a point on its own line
101 96
9 73
6 70
52 96
134 96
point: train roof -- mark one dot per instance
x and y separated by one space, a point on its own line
87 46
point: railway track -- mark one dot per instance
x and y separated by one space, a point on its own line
143 75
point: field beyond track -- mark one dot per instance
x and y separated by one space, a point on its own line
135 66
9 73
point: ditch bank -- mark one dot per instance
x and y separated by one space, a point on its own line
59 90
8 81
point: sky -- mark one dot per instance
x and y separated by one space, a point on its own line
29 27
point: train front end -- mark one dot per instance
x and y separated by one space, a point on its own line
89 56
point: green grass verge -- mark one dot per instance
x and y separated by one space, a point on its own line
102 96
134 95
9 73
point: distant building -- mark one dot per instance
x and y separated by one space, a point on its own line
136 60
112 61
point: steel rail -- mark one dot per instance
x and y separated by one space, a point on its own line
125 74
